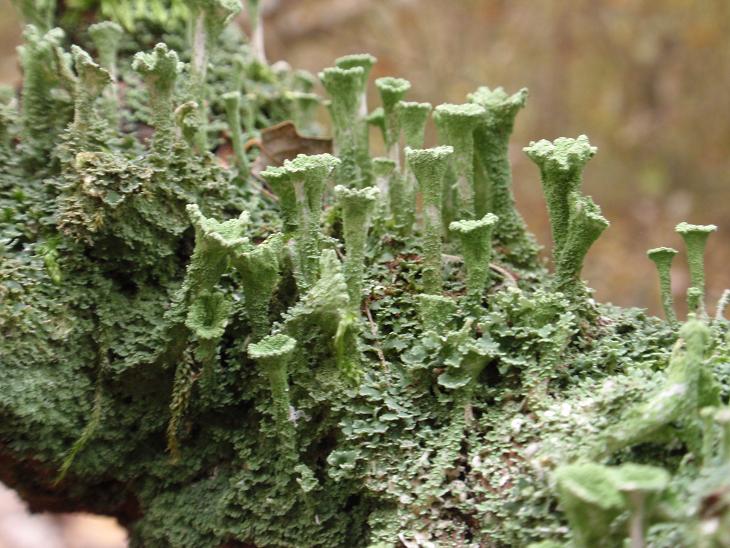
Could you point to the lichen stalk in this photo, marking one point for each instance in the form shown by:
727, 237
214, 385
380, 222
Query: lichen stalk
256, 20
695, 240
561, 164
362, 133
107, 36
475, 238
585, 225
392, 90
278, 178
429, 167
259, 272
40, 77
493, 172
232, 101
159, 70
273, 355
209, 19
344, 88
412, 117
308, 176
357, 206
662, 257
91, 81
456, 125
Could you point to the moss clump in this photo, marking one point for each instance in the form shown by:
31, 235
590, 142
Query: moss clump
218, 358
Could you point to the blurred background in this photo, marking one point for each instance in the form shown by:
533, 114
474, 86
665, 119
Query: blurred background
646, 80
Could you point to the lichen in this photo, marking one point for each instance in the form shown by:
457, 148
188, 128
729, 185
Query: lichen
223, 356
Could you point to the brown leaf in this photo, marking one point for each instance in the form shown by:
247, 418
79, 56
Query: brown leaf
283, 142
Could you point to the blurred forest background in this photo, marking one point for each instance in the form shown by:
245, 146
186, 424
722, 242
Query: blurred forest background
646, 80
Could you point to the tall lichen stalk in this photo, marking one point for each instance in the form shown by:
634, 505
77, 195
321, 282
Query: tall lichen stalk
300, 354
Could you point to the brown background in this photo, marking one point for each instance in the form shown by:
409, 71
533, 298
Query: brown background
646, 80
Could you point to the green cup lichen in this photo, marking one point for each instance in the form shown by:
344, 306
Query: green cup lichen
232, 102
107, 37
365, 61
273, 354
392, 90
475, 238
456, 125
429, 166
695, 240
308, 176
585, 225
258, 269
662, 257
159, 69
209, 19
493, 173
561, 164
344, 86
91, 81
357, 206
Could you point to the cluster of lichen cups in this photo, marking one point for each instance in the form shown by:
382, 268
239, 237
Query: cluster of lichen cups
457, 194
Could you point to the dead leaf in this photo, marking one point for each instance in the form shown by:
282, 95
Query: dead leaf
283, 142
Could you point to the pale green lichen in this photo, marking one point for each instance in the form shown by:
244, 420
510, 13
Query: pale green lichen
365, 61
256, 20
91, 81
344, 87
431, 418
475, 238
160, 69
392, 90
412, 118
273, 354
662, 257
232, 101
40, 13
209, 19
259, 271
493, 173
357, 207
429, 167
585, 225
435, 311
308, 176
107, 37
695, 240
561, 164
456, 125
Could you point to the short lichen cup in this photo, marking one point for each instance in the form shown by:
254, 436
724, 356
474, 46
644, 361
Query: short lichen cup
475, 237
435, 311
429, 167
662, 257
259, 271
215, 241
232, 103
273, 354
695, 239
585, 225
308, 175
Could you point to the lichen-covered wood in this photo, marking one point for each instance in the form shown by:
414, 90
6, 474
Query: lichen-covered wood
334, 350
